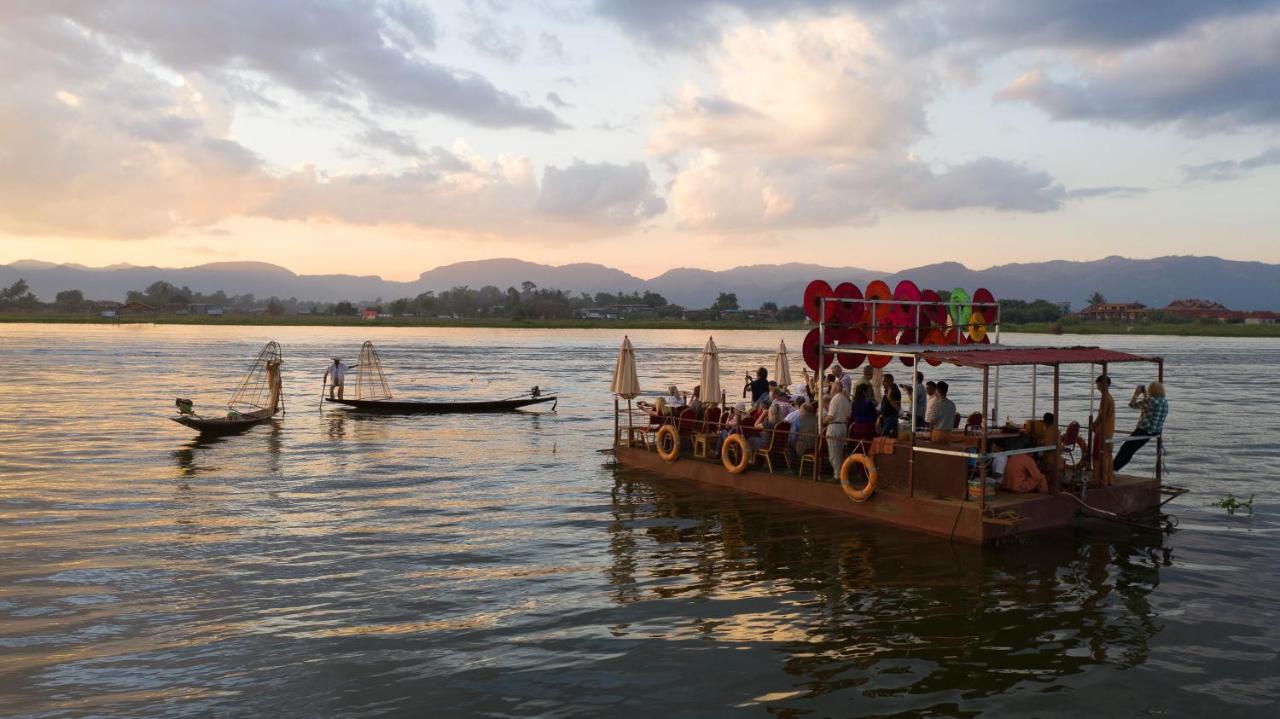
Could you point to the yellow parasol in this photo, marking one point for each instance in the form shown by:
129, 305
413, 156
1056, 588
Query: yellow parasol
781, 366
710, 377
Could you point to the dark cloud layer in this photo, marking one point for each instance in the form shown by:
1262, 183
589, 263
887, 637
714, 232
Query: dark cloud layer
334, 51
1232, 169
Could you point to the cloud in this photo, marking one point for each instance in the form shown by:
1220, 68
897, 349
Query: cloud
491, 38
1002, 24
1218, 76
555, 99
810, 124
728, 193
92, 145
345, 52
455, 190
1084, 193
602, 194
1232, 169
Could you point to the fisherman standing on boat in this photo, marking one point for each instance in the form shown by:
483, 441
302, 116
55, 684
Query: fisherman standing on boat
336, 376
1104, 426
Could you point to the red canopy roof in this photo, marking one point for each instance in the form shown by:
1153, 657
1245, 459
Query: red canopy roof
975, 357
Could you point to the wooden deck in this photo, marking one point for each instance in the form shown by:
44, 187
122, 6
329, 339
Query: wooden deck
1006, 514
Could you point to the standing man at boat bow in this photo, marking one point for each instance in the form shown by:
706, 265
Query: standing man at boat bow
837, 425
335, 375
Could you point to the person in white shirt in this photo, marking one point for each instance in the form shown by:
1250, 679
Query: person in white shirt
674, 398
336, 376
837, 422
920, 401
931, 392
844, 379
793, 421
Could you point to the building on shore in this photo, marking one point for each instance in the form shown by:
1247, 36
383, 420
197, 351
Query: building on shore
1201, 310
1115, 311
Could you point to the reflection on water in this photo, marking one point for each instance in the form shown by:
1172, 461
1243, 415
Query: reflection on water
338, 564
890, 614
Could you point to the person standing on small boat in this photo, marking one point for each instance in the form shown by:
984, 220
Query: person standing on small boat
336, 376
1155, 408
274, 384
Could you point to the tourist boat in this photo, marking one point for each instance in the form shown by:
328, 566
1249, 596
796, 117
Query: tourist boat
256, 399
372, 394
931, 482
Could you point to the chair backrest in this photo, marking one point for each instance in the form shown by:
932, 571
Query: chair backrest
711, 420
686, 419
956, 423
1073, 433
781, 429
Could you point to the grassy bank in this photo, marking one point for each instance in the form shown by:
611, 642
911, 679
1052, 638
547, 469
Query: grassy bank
332, 321
1195, 329
1083, 328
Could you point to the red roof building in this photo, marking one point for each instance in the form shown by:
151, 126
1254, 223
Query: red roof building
1201, 310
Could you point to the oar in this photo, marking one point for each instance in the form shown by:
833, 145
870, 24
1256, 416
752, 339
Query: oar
324, 384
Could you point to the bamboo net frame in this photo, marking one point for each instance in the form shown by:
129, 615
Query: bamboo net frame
255, 391
371, 381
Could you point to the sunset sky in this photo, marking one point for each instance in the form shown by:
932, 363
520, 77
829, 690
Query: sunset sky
392, 137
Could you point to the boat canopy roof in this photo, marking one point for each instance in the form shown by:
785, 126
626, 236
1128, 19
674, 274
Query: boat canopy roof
997, 355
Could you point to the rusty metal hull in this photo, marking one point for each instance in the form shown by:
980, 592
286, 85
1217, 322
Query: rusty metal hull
1006, 515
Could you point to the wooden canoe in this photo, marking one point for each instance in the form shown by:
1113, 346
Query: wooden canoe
422, 407
223, 425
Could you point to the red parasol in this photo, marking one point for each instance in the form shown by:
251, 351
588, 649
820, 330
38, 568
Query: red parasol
814, 291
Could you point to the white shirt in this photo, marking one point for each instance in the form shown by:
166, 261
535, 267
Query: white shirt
838, 410
930, 408
793, 419
338, 371
675, 400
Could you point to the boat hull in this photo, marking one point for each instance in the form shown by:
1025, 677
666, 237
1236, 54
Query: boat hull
1006, 515
220, 426
412, 407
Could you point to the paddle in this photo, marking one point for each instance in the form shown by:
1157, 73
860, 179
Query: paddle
324, 384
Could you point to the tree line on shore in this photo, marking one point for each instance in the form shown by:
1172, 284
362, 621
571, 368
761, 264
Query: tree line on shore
526, 302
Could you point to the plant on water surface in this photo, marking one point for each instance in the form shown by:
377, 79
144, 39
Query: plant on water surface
1231, 504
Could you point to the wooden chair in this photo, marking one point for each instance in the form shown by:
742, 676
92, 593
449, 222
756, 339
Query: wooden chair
774, 446
648, 434
704, 439
814, 457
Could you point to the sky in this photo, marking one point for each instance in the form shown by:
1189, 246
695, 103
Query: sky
388, 137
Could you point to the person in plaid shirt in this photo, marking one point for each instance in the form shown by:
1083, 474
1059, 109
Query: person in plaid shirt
1151, 401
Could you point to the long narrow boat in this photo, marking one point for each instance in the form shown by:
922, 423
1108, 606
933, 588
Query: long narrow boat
424, 407
372, 394
257, 399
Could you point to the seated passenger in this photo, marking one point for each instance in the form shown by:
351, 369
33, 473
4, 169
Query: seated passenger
695, 401
674, 398
766, 423
1021, 476
806, 429
944, 410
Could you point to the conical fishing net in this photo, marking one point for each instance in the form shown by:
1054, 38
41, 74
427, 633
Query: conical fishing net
370, 382
254, 392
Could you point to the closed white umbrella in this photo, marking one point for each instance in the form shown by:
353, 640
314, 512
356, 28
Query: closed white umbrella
625, 384
709, 379
781, 366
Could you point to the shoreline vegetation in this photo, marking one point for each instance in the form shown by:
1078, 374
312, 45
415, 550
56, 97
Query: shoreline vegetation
1184, 329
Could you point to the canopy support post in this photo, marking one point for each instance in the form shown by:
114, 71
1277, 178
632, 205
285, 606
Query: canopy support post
822, 431
911, 455
1056, 465
1034, 373
982, 453
1160, 437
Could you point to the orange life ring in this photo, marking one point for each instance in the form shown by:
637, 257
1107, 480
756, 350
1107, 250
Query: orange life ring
668, 455
744, 454
858, 495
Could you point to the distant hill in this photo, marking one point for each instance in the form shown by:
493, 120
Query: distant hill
1155, 282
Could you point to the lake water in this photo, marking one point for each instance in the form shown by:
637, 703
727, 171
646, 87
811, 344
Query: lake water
337, 565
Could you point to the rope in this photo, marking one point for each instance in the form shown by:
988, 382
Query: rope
1114, 517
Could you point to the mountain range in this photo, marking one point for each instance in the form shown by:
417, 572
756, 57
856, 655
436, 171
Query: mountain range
1155, 282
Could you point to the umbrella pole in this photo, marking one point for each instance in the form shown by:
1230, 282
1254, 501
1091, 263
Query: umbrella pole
630, 431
